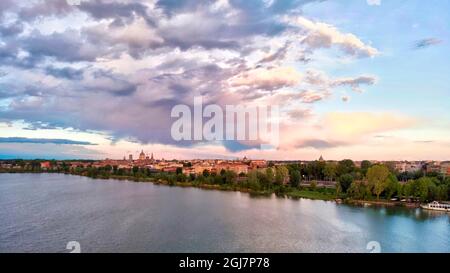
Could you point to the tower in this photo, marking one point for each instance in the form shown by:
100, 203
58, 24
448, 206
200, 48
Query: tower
142, 155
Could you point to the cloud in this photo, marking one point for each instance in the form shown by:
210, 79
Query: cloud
358, 124
355, 83
47, 151
68, 46
43, 141
119, 67
11, 30
424, 43
309, 96
299, 114
373, 2
320, 144
44, 8
278, 55
65, 72
322, 35
267, 79
121, 13
319, 78
345, 98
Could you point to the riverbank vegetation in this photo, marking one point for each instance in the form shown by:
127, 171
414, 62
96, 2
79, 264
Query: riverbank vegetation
314, 180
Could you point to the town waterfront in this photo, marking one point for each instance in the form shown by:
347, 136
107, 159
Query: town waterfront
43, 212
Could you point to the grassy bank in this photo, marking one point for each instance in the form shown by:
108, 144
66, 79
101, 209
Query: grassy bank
315, 195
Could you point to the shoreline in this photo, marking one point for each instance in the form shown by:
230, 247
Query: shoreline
293, 194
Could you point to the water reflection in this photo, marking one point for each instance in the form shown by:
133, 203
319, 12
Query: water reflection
42, 212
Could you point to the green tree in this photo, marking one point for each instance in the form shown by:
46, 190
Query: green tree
392, 187
408, 189
345, 166
377, 176
338, 190
281, 174
330, 171
422, 186
442, 192
313, 185
345, 182
365, 165
230, 177
270, 175
294, 178
252, 180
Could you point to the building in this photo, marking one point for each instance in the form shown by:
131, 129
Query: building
445, 168
46, 165
258, 164
433, 167
237, 168
408, 167
142, 156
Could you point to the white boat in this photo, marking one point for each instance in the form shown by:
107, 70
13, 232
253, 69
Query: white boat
436, 206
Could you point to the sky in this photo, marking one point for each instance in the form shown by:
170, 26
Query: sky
95, 79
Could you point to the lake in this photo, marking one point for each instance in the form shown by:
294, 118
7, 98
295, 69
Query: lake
43, 212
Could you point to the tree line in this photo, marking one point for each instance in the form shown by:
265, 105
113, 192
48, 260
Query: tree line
365, 182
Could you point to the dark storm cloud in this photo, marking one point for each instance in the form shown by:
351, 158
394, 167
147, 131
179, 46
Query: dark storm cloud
45, 8
173, 6
120, 12
11, 30
5, 5
67, 46
66, 72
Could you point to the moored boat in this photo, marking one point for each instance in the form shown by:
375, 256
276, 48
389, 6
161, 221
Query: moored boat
437, 206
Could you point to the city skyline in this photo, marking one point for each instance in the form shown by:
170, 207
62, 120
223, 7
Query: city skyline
98, 79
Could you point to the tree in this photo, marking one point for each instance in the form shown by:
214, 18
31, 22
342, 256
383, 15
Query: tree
230, 177
270, 175
263, 180
407, 189
345, 166
422, 186
365, 165
281, 174
377, 177
359, 190
392, 186
338, 190
206, 172
345, 181
442, 192
317, 169
294, 178
330, 171
252, 180
313, 185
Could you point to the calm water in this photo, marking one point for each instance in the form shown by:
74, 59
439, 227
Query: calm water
42, 212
